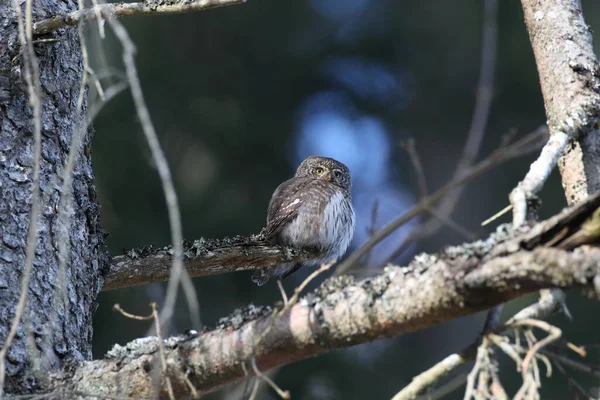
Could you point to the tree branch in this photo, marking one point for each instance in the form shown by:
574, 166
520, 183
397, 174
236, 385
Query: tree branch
151, 7
341, 313
201, 258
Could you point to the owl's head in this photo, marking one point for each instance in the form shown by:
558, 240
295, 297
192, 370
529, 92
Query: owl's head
326, 168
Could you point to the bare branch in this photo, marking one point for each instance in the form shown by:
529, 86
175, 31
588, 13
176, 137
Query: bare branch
479, 119
125, 9
201, 258
178, 274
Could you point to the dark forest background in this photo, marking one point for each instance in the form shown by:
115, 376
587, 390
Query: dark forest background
240, 95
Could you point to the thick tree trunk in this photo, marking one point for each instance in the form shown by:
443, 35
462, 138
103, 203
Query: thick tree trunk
68, 336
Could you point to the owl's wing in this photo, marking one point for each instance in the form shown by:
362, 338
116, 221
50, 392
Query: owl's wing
285, 203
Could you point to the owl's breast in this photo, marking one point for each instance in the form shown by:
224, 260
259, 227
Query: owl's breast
337, 227
326, 222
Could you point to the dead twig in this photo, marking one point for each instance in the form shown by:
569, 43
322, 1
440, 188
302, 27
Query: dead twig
496, 158
178, 273
284, 394
125, 9
542, 309
415, 161
573, 383
161, 348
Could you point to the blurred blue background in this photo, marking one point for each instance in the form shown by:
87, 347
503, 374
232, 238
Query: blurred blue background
240, 95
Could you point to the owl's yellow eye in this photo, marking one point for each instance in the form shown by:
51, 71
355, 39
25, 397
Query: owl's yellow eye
319, 170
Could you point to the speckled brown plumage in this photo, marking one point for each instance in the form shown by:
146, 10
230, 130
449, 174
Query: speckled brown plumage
311, 210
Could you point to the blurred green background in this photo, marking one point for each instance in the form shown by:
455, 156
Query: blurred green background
240, 95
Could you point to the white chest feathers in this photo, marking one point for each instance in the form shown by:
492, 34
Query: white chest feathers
330, 230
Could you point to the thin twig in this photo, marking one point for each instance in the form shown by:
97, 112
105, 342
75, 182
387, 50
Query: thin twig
447, 388
372, 228
159, 337
483, 100
254, 389
282, 291
579, 366
572, 382
178, 271
531, 377
540, 310
65, 204
415, 160
123, 9
497, 215
99, 19
284, 394
502, 343
538, 174
109, 94
450, 223
472, 377
480, 116
117, 308
161, 349
429, 377
494, 159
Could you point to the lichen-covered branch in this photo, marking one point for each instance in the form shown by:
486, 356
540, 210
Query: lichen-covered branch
122, 9
341, 312
201, 257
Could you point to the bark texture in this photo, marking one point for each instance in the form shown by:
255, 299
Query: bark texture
570, 81
68, 337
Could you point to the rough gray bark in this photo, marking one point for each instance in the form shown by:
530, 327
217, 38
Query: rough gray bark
570, 81
71, 333
341, 312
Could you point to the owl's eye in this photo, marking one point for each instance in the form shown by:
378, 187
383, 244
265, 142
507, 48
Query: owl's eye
338, 174
318, 170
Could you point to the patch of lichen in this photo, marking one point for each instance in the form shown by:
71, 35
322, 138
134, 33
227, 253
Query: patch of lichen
203, 246
146, 345
481, 248
200, 247
141, 252
243, 315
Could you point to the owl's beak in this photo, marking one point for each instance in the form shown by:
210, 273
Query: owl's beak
328, 177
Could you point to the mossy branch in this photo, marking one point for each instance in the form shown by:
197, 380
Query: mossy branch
202, 257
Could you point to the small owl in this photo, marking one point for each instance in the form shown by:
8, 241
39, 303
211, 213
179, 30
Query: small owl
313, 210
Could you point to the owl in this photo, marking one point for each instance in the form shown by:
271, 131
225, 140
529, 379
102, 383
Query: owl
313, 210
